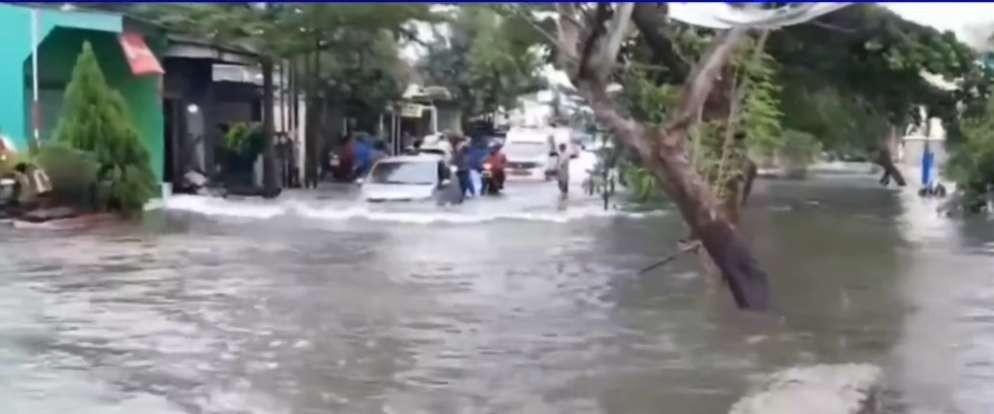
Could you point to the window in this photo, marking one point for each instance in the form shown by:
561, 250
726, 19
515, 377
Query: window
526, 150
409, 173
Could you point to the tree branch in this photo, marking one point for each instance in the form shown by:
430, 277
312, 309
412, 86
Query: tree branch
617, 29
625, 129
596, 31
832, 27
568, 37
701, 80
538, 28
688, 247
410, 35
649, 19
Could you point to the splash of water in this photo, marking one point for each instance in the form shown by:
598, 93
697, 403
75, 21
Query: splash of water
338, 212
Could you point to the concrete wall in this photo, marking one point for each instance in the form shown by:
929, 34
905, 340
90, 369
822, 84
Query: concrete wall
912, 149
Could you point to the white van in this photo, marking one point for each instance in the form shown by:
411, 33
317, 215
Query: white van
529, 150
437, 144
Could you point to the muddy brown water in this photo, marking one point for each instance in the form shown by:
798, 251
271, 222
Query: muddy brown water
500, 306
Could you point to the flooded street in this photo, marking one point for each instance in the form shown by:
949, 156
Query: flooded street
318, 304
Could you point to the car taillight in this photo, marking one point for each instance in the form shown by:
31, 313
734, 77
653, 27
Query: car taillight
486, 166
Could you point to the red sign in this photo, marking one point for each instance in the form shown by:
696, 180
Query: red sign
139, 56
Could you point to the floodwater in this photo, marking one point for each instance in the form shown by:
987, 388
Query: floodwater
318, 304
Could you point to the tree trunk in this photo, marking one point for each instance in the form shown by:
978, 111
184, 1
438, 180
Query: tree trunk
311, 124
589, 58
708, 220
270, 185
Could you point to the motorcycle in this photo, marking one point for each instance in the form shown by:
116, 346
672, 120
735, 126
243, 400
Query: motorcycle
492, 180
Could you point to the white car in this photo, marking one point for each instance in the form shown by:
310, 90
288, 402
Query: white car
406, 178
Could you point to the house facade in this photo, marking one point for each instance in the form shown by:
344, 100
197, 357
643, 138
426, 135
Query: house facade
44, 43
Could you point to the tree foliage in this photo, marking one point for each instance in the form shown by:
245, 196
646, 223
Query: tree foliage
845, 77
95, 119
245, 140
650, 94
487, 60
357, 44
851, 74
971, 165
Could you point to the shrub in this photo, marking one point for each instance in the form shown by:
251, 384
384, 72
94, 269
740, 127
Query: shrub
73, 174
7, 162
244, 140
971, 164
95, 119
643, 185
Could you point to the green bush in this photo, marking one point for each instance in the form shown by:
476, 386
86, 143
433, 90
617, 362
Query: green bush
73, 174
95, 120
971, 164
643, 185
244, 140
7, 163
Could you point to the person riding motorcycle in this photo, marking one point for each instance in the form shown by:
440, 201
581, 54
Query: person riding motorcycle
495, 165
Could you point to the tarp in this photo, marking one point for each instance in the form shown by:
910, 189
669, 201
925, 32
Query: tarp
928, 160
140, 58
725, 16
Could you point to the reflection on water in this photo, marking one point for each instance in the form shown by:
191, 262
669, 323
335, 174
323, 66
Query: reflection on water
532, 313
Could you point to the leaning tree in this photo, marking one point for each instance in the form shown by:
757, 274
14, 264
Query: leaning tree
588, 41
723, 75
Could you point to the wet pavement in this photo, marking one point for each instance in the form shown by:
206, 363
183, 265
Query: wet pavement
318, 303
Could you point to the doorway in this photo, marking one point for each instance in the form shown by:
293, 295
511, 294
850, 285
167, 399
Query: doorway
174, 119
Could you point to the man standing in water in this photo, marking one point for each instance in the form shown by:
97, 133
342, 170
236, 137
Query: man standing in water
562, 171
460, 160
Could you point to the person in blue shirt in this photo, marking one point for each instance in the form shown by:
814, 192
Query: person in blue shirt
461, 160
363, 154
476, 155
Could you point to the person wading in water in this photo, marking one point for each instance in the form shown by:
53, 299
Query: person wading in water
562, 171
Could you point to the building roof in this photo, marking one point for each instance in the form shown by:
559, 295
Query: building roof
184, 46
52, 16
180, 45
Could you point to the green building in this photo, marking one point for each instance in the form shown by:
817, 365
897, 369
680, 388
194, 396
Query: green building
60, 35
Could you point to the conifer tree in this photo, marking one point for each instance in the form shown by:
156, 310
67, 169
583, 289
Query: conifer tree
95, 119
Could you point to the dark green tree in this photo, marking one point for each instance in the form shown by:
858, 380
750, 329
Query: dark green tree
856, 78
95, 119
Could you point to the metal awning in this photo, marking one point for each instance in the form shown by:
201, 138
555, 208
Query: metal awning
140, 58
184, 47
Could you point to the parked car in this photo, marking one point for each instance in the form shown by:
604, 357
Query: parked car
406, 178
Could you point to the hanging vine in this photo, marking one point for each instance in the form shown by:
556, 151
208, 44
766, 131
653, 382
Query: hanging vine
720, 147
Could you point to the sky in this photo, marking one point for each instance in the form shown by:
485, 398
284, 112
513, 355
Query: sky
958, 17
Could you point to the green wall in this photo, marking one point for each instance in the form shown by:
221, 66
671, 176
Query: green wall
64, 34
15, 25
